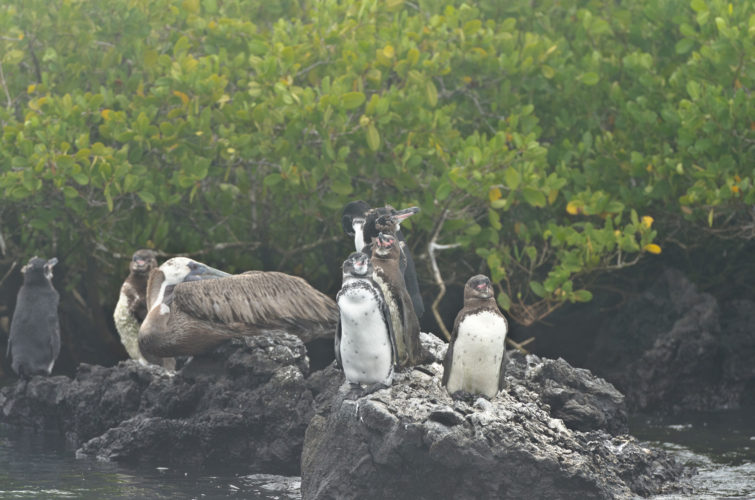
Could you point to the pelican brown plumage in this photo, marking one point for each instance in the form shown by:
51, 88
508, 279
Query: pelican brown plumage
194, 307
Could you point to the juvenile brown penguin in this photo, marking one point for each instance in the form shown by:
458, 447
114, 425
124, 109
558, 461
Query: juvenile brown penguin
385, 260
194, 307
364, 223
476, 357
34, 341
131, 308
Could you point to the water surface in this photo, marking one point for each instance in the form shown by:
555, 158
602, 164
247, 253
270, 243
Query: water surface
38, 465
719, 444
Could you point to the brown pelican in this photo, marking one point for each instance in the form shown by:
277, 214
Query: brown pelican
194, 307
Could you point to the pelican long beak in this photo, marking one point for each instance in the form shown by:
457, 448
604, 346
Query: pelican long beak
405, 213
203, 272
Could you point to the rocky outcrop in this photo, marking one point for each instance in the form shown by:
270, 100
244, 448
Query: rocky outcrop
246, 405
674, 348
413, 441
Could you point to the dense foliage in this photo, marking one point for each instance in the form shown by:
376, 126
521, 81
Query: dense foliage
551, 142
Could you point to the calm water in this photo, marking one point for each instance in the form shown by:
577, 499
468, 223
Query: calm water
721, 445
39, 466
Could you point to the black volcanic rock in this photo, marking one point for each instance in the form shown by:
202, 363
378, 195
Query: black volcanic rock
413, 441
245, 404
673, 348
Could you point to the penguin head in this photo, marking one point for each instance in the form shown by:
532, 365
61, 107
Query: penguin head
385, 246
478, 287
38, 270
143, 261
357, 265
386, 220
352, 219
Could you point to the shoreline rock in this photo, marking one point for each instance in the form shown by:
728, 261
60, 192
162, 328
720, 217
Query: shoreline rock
244, 405
412, 440
253, 406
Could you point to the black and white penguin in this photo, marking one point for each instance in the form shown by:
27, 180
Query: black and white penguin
364, 223
34, 341
364, 341
387, 275
131, 308
476, 357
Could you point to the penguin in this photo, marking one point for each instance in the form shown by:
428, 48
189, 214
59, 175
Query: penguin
476, 358
364, 223
34, 341
364, 342
385, 260
131, 308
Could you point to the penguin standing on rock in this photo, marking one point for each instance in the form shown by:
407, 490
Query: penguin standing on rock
364, 341
387, 275
476, 357
34, 341
131, 308
364, 224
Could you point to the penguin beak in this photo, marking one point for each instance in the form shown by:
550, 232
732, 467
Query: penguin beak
202, 272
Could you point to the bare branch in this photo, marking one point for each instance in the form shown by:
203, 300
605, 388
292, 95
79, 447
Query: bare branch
10, 270
431, 248
9, 101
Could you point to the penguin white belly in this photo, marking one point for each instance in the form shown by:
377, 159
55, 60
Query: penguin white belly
477, 354
366, 353
128, 329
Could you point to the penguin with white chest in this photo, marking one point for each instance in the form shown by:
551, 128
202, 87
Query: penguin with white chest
476, 357
131, 308
387, 275
34, 341
364, 341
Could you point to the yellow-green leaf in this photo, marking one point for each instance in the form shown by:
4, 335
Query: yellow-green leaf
351, 100
590, 78
432, 93
373, 137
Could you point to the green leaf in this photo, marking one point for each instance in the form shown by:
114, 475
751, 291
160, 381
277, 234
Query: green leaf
582, 296
699, 5
443, 191
373, 137
504, 301
537, 289
590, 78
351, 100
533, 196
271, 180
512, 178
432, 93
81, 178
684, 45
693, 89
147, 197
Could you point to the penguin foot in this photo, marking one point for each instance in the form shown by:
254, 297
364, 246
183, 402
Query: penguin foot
466, 397
354, 392
374, 388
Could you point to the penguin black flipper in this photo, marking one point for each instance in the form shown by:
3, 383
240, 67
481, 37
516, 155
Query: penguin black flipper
448, 363
410, 279
386, 311
449, 359
502, 373
337, 344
